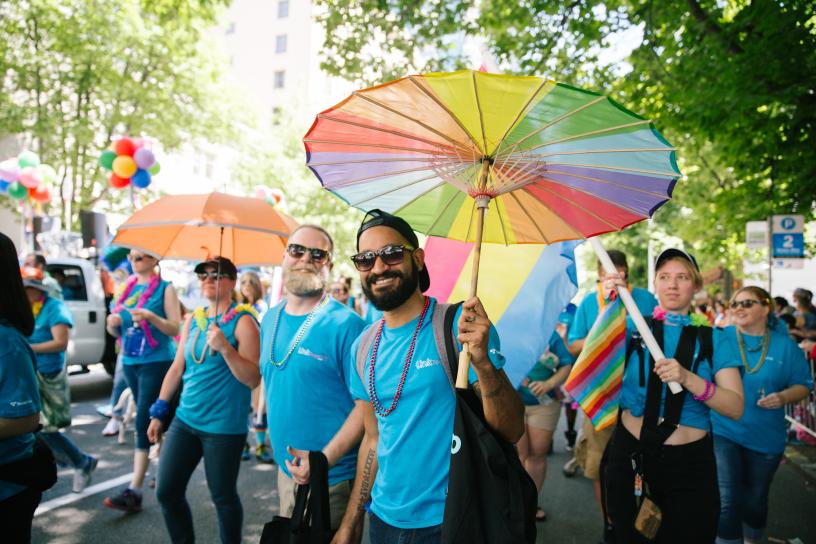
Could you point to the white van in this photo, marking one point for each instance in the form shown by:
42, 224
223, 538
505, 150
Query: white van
83, 294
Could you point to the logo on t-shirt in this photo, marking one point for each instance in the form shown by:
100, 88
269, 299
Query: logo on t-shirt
309, 353
426, 363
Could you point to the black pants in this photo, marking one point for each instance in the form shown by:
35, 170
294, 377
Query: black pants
16, 513
682, 481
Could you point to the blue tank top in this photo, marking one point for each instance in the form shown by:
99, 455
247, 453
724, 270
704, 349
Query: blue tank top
165, 350
212, 400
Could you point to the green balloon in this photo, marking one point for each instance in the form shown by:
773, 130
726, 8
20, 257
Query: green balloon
17, 191
48, 173
106, 159
28, 158
154, 169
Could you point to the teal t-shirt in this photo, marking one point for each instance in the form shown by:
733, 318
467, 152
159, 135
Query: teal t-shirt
54, 312
694, 413
587, 312
554, 358
212, 399
761, 429
19, 397
165, 350
307, 398
414, 447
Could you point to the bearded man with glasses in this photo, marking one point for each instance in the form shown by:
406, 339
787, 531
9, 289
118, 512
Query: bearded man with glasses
305, 345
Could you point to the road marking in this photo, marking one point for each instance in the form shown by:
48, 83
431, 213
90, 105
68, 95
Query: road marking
87, 492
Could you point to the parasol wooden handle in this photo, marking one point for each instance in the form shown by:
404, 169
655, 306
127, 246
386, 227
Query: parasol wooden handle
633, 310
464, 355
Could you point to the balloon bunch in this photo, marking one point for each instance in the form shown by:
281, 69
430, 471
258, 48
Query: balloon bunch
273, 196
25, 176
130, 162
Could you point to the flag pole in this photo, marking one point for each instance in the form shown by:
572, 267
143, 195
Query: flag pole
632, 309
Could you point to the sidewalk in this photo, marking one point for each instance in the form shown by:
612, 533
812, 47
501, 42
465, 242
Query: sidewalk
803, 458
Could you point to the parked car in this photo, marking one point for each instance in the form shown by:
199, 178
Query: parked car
82, 291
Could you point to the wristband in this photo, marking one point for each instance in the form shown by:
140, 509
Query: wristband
710, 389
159, 409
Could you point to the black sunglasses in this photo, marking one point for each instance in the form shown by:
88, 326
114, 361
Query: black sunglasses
139, 258
296, 251
747, 303
390, 255
213, 275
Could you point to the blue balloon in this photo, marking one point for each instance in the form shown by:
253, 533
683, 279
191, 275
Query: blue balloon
141, 179
4, 185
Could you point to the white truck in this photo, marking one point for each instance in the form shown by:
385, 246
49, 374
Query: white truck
83, 294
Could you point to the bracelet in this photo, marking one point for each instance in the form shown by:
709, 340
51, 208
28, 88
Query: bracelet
159, 409
710, 389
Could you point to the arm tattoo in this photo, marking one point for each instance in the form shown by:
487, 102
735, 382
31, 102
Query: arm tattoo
486, 394
365, 484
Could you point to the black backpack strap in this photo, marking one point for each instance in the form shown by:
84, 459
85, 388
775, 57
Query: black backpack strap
654, 434
635, 345
364, 349
443, 338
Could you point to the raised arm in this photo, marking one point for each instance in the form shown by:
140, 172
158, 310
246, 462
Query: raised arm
242, 362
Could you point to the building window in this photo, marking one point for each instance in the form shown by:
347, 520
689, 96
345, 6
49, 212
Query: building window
276, 115
280, 43
283, 9
280, 79
231, 28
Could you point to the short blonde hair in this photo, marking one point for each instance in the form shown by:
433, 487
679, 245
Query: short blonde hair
692, 270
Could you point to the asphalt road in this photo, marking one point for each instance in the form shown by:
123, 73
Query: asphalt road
65, 517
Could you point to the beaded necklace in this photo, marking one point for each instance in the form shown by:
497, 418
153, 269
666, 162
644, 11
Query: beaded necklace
300, 334
372, 391
766, 342
200, 318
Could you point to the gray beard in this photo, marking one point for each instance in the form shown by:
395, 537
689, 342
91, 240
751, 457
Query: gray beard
304, 284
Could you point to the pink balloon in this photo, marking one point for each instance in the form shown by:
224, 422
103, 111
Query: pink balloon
9, 171
30, 177
144, 158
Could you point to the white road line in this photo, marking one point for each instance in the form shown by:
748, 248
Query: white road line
87, 492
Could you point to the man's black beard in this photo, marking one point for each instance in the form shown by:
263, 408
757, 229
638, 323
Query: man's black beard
396, 296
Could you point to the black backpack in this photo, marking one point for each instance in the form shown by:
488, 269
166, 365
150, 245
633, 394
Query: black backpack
491, 498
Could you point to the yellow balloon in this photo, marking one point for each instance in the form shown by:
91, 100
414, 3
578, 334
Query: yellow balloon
124, 166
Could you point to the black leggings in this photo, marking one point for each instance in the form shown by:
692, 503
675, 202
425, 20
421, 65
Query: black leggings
16, 514
682, 481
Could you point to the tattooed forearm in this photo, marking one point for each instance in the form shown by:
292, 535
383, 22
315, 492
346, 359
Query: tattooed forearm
365, 480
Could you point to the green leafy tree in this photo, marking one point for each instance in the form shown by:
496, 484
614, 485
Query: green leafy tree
76, 73
731, 83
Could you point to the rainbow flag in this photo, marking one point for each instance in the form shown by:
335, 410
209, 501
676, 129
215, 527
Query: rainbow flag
595, 378
523, 288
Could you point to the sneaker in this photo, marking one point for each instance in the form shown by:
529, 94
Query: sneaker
104, 410
82, 475
127, 501
112, 428
245, 454
571, 468
263, 455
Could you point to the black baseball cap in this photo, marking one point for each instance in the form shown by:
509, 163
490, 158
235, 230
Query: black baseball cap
674, 252
220, 263
379, 218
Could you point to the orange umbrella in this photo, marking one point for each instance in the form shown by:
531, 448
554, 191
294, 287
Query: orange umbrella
248, 231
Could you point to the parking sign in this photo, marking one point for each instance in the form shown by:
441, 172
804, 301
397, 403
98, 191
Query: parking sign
788, 236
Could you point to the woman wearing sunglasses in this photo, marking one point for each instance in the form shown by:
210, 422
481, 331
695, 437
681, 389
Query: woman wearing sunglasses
775, 373
146, 316
658, 475
217, 359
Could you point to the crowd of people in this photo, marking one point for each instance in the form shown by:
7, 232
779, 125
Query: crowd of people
361, 379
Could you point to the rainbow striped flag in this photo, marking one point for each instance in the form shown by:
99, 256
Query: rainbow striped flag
596, 377
523, 288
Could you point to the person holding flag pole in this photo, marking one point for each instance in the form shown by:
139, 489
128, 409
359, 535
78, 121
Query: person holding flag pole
658, 475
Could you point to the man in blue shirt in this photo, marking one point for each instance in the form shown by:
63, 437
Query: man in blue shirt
406, 396
591, 445
305, 344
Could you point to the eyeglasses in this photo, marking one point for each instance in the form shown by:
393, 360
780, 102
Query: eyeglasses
338, 290
139, 258
296, 251
213, 275
747, 303
390, 255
